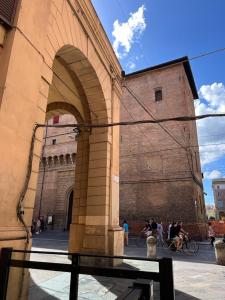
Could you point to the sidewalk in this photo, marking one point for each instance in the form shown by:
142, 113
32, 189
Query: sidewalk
196, 277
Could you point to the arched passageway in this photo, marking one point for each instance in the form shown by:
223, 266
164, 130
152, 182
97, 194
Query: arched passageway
66, 65
76, 89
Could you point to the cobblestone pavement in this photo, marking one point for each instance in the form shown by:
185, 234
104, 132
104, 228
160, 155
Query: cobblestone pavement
196, 276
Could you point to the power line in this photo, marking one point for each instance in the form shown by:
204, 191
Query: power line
172, 179
207, 53
129, 123
151, 115
175, 148
188, 152
132, 117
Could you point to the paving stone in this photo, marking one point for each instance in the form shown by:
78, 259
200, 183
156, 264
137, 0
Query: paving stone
196, 277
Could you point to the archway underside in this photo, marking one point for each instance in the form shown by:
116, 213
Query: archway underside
76, 89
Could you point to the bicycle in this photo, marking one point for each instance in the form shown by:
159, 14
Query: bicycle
141, 239
189, 246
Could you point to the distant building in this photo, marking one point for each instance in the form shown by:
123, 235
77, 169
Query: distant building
210, 211
56, 176
218, 186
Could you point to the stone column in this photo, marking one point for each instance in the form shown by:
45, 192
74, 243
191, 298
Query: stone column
77, 228
97, 212
116, 238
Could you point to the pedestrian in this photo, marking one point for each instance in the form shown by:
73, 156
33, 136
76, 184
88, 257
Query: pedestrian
153, 226
168, 230
211, 234
125, 229
160, 232
174, 235
38, 225
42, 226
146, 228
33, 226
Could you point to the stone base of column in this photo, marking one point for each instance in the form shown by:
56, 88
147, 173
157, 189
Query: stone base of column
116, 241
97, 240
116, 244
76, 237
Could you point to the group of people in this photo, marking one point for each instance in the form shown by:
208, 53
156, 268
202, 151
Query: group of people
150, 228
175, 232
39, 224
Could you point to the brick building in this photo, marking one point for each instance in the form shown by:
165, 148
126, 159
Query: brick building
218, 186
160, 172
56, 178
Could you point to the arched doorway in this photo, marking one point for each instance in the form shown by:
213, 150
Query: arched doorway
76, 89
67, 65
69, 210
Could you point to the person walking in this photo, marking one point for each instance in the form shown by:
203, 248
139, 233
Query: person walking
125, 229
211, 234
153, 225
168, 230
38, 225
160, 232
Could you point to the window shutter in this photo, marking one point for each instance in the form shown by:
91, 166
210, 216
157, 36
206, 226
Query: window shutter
8, 11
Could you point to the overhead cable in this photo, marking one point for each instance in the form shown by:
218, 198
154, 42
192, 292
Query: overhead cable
129, 123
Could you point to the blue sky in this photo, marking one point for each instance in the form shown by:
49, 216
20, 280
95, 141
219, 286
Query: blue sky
149, 32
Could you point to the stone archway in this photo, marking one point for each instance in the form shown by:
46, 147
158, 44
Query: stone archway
67, 42
75, 83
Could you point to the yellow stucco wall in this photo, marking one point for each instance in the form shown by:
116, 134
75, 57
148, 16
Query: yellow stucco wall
58, 56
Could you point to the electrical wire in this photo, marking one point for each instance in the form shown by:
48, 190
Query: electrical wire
175, 148
129, 123
84, 125
188, 152
172, 179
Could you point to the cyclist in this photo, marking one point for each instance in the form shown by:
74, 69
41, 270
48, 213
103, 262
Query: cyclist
175, 235
147, 228
181, 235
153, 226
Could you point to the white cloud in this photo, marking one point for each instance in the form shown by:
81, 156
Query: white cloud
213, 174
131, 65
126, 33
211, 130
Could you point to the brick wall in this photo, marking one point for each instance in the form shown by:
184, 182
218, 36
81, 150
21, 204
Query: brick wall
155, 171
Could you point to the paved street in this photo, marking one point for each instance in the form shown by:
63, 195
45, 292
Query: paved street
196, 276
